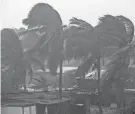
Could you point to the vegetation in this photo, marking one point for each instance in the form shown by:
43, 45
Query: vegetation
14, 60
79, 40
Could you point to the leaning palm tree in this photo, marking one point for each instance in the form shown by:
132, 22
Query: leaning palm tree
117, 68
111, 30
18, 61
12, 54
42, 14
81, 40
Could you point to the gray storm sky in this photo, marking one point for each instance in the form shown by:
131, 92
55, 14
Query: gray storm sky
13, 11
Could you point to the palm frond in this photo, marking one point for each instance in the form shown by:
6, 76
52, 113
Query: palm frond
106, 17
108, 79
108, 40
25, 22
42, 82
9, 37
112, 26
38, 80
31, 59
80, 23
36, 61
116, 65
43, 41
55, 52
129, 27
118, 58
121, 52
84, 68
8, 53
75, 21
43, 14
34, 29
112, 75
54, 61
72, 30
77, 47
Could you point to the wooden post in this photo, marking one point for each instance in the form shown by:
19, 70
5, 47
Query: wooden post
99, 92
30, 110
22, 110
87, 106
40, 109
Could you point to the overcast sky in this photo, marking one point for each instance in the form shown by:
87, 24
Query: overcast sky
13, 11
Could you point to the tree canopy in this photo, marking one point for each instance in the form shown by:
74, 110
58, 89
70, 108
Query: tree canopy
78, 40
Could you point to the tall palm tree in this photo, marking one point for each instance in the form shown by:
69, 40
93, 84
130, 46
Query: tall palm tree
18, 61
42, 14
120, 60
111, 30
12, 54
118, 66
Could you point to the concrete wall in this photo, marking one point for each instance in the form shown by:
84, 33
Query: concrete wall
16, 110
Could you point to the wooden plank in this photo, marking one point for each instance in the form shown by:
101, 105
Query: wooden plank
47, 101
15, 103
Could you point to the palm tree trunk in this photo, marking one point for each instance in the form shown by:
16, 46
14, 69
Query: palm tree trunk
122, 96
99, 92
103, 59
60, 79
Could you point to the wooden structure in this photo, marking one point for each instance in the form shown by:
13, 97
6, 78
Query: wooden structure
17, 103
41, 100
49, 101
82, 99
130, 100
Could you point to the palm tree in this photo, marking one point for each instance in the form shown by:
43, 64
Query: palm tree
42, 14
12, 53
120, 60
85, 39
111, 30
18, 61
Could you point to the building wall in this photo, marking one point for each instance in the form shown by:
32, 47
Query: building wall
16, 110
